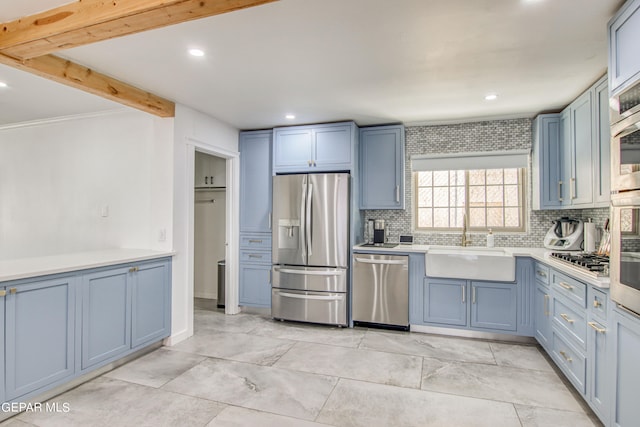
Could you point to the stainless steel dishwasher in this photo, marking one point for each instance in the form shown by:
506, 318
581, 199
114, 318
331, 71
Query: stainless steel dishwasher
381, 290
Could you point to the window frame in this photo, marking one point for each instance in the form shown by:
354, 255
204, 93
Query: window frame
522, 196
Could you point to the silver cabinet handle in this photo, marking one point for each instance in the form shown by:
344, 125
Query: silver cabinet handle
473, 295
564, 355
270, 221
560, 191
255, 240
255, 256
541, 273
572, 190
566, 286
597, 327
464, 296
397, 194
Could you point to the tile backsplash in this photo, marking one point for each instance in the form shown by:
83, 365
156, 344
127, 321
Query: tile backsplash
496, 135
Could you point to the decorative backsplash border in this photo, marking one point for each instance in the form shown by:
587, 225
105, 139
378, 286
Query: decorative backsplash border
495, 135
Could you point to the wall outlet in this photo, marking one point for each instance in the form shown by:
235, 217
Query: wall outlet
162, 235
104, 211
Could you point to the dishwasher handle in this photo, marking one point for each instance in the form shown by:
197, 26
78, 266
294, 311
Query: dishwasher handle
381, 261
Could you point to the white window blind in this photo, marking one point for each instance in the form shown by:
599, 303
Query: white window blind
470, 161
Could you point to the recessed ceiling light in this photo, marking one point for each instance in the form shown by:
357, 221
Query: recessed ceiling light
196, 52
491, 97
290, 117
3, 84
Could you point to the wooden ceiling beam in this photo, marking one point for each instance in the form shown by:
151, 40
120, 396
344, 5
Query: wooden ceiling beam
90, 21
71, 74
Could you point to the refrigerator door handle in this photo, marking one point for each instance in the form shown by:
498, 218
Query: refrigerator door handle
303, 202
308, 219
310, 272
315, 297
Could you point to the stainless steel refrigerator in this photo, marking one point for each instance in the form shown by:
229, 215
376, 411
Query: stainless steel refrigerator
310, 242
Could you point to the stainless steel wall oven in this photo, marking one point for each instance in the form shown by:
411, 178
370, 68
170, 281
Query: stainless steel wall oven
625, 143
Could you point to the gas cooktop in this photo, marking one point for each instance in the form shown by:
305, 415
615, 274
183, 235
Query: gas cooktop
595, 265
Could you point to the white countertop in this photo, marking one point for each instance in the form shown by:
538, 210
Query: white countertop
539, 254
40, 266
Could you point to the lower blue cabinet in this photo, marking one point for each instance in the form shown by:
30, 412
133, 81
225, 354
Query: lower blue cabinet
151, 303
106, 315
542, 309
598, 380
626, 374
445, 301
255, 285
40, 334
493, 305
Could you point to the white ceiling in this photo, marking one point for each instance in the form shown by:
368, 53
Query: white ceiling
373, 61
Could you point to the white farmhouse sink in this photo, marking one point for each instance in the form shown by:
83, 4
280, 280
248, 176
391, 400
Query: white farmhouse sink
470, 263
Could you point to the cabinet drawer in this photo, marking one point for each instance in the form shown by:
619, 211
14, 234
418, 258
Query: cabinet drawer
598, 302
255, 257
255, 241
570, 360
570, 320
571, 288
542, 273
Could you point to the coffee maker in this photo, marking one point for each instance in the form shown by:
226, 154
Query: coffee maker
378, 232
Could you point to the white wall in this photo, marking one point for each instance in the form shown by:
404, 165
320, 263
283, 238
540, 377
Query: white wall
196, 130
57, 176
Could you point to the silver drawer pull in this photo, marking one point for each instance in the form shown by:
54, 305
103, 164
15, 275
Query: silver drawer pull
255, 256
314, 297
595, 326
255, 240
566, 286
567, 358
567, 318
541, 273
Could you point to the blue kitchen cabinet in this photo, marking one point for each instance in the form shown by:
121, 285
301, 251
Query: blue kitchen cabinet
382, 167
255, 181
150, 303
624, 60
493, 306
598, 381
565, 158
625, 372
3, 294
581, 147
445, 301
255, 290
547, 162
106, 314
315, 148
543, 315
40, 334
602, 144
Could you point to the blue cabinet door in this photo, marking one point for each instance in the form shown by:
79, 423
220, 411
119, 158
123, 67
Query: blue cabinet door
547, 162
626, 375
581, 183
255, 289
106, 314
445, 301
624, 33
602, 145
493, 305
598, 380
332, 147
255, 181
566, 157
40, 334
542, 307
151, 303
293, 149
382, 167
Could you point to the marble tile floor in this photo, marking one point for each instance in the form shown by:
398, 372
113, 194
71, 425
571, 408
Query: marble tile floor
248, 370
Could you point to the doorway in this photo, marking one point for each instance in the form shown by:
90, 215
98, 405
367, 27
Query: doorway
209, 232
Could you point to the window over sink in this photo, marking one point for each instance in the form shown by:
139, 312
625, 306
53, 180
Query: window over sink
489, 198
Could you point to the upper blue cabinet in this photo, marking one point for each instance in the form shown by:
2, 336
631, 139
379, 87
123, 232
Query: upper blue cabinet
382, 167
624, 49
255, 181
315, 148
547, 162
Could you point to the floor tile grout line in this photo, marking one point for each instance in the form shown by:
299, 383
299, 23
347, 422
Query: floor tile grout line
518, 414
315, 419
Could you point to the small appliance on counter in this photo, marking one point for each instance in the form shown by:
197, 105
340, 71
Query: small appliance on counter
378, 232
565, 234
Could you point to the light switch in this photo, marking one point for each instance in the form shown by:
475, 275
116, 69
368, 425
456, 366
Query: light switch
162, 235
104, 211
